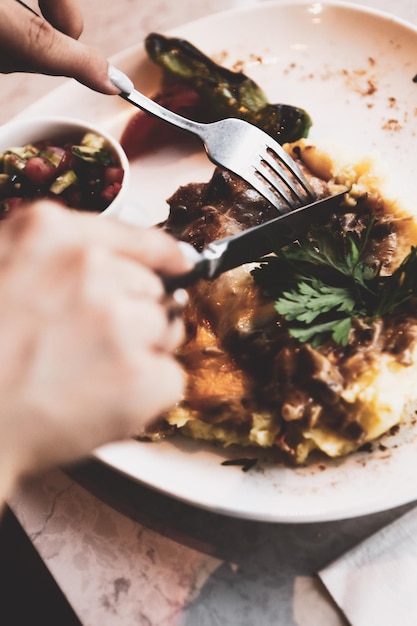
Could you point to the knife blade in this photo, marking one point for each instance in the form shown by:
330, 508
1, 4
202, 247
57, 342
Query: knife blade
252, 244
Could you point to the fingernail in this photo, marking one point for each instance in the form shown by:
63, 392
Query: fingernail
176, 304
120, 80
180, 297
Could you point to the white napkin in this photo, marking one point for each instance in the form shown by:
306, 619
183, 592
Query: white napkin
376, 582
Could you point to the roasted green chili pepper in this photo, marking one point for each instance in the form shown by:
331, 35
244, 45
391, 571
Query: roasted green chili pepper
226, 93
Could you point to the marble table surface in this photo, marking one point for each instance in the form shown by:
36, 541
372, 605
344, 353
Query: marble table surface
126, 555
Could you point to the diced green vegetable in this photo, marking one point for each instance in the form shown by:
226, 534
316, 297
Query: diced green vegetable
93, 149
92, 155
23, 152
53, 157
92, 140
12, 163
63, 181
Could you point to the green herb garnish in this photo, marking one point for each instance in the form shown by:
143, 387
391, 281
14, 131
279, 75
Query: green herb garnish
324, 282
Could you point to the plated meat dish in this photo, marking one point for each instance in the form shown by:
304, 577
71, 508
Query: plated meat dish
251, 380
313, 348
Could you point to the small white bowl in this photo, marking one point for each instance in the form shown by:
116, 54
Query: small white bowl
22, 131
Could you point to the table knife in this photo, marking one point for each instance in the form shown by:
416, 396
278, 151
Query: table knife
252, 244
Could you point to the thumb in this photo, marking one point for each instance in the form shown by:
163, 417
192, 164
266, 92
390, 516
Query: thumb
29, 43
64, 56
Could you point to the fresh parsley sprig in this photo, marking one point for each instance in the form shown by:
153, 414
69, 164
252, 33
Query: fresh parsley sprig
322, 283
314, 300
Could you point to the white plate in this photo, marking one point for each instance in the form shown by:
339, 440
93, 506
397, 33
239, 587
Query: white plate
354, 71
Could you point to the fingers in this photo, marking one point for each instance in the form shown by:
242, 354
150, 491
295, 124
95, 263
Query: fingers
76, 60
87, 332
30, 43
141, 313
103, 261
158, 387
158, 250
99, 268
64, 15
144, 323
121, 273
99, 262
157, 317
150, 246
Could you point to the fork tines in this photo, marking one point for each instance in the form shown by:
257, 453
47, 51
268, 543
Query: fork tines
286, 180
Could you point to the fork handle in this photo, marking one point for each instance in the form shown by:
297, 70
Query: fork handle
155, 109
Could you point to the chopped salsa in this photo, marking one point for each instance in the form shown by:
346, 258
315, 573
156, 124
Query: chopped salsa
82, 173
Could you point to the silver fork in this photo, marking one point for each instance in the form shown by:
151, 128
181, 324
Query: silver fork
245, 150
